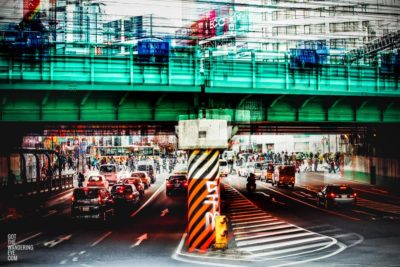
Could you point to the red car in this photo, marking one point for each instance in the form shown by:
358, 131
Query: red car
176, 183
136, 181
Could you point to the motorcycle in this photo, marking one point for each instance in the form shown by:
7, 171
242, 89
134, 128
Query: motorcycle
251, 184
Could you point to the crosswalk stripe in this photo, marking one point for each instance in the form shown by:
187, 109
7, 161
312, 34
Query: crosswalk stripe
267, 219
247, 215
260, 225
251, 218
271, 239
270, 233
282, 244
262, 230
298, 248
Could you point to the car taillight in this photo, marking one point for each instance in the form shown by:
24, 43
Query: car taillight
130, 196
332, 195
100, 200
72, 199
354, 194
185, 184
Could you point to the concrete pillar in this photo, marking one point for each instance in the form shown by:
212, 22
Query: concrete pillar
203, 139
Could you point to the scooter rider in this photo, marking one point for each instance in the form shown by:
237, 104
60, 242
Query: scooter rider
251, 183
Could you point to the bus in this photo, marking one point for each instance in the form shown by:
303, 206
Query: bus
122, 152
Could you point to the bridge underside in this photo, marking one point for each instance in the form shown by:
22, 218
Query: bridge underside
158, 107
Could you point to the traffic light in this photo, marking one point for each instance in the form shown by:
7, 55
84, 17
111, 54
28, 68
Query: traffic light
221, 232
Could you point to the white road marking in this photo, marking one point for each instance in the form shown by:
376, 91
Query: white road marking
267, 219
251, 218
28, 238
51, 212
269, 233
72, 254
271, 239
251, 215
139, 240
75, 259
260, 225
278, 202
366, 213
150, 199
321, 246
100, 239
82, 252
178, 255
86, 265
55, 242
276, 227
165, 211
265, 194
63, 262
282, 244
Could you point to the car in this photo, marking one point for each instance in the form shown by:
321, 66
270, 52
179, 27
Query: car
149, 168
144, 177
91, 203
136, 181
336, 195
257, 170
97, 181
125, 195
176, 183
110, 172
223, 168
246, 169
284, 175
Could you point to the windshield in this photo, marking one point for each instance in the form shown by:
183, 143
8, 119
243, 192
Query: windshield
138, 174
86, 193
145, 167
177, 177
258, 166
223, 163
107, 168
95, 179
121, 189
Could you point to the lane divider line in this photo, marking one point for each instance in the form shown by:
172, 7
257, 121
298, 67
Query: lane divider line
162, 186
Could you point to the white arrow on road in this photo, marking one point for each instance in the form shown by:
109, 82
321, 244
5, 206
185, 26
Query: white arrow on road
140, 239
55, 242
164, 212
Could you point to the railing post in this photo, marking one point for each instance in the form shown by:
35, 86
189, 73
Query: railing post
378, 66
286, 71
348, 72
253, 69
10, 69
196, 66
211, 72
170, 66
91, 49
51, 55
131, 65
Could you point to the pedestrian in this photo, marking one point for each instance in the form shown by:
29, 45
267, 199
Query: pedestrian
81, 179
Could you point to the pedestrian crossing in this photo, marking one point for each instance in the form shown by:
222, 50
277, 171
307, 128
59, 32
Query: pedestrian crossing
262, 236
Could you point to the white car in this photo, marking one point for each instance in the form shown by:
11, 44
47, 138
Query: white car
246, 169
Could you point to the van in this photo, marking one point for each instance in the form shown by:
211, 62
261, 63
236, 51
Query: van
149, 168
223, 168
110, 172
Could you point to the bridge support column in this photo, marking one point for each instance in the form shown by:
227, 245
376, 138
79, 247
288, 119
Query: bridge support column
202, 138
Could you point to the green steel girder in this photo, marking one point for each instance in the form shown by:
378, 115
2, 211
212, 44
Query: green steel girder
68, 106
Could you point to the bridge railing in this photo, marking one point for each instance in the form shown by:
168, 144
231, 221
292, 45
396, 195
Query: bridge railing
187, 68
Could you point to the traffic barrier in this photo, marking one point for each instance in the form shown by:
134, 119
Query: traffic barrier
203, 198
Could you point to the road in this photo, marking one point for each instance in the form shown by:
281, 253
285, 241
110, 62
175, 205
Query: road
272, 227
285, 227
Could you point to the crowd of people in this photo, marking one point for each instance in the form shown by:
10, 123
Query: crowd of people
304, 161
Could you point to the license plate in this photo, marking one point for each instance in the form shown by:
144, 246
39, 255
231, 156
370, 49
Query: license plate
344, 196
85, 209
177, 185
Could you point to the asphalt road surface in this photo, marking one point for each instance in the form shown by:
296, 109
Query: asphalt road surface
272, 227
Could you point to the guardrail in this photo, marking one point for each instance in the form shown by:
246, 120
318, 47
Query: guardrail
37, 187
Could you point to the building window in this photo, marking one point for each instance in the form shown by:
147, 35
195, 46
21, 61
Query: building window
274, 31
306, 29
274, 15
291, 30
